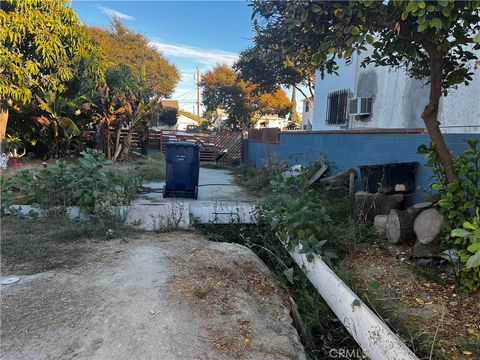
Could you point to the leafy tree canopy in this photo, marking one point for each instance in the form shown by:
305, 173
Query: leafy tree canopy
222, 88
43, 47
432, 40
267, 65
124, 46
39, 44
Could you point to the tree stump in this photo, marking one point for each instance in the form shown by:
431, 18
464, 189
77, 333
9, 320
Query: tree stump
368, 205
428, 226
379, 223
399, 226
431, 250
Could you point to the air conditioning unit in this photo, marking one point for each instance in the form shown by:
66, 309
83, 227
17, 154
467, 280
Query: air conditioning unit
361, 106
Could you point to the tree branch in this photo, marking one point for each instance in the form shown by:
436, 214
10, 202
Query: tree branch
305, 96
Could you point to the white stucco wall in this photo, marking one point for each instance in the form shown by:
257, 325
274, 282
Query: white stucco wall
398, 100
344, 80
307, 116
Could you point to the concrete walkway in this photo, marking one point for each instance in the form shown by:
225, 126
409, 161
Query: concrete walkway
219, 201
170, 296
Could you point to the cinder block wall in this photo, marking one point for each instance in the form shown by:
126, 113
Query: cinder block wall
345, 151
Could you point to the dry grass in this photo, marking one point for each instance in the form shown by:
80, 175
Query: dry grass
422, 310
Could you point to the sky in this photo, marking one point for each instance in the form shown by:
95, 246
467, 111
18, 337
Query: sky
189, 33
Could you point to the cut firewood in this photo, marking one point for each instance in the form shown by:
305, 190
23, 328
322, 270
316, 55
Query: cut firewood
431, 250
317, 175
368, 205
399, 226
428, 226
379, 223
340, 180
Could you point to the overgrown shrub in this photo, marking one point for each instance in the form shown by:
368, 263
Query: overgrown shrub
468, 255
87, 183
459, 201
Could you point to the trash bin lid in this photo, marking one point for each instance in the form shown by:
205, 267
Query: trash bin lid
181, 143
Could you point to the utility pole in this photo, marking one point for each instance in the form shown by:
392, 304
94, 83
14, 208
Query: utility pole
198, 90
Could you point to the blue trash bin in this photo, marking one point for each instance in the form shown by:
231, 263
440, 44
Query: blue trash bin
183, 168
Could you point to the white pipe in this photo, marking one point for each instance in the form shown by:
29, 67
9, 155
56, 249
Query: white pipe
374, 337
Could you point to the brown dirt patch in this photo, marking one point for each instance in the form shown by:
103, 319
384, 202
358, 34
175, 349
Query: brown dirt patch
226, 287
411, 301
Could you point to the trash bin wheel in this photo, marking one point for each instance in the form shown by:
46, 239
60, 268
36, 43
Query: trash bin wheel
164, 191
195, 194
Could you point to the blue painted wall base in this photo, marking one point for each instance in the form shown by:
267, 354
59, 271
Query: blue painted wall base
345, 151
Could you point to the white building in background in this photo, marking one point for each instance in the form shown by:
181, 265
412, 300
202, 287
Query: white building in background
307, 114
271, 121
183, 121
385, 98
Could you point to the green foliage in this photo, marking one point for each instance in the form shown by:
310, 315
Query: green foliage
150, 69
457, 199
437, 43
30, 59
296, 215
242, 100
468, 244
120, 78
269, 67
54, 114
14, 143
87, 183
401, 33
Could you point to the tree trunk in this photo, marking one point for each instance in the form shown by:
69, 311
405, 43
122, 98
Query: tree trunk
108, 143
126, 145
117, 141
3, 128
430, 114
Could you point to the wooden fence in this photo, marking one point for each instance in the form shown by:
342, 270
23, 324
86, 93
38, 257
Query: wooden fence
270, 135
224, 148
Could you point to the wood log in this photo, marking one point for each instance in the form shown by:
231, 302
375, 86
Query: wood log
399, 226
379, 223
431, 250
428, 226
340, 180
368, 205
351, 183
317, 175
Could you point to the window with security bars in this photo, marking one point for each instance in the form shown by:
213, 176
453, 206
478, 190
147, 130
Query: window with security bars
337, 107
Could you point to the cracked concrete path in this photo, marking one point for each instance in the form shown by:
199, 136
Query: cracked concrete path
220, 200
158, 296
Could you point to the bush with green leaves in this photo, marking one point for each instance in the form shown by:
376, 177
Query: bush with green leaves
467, 239
458, 200
87, 183
297, 217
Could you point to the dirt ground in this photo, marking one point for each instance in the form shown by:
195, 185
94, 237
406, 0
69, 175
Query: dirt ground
159, 296
439, 312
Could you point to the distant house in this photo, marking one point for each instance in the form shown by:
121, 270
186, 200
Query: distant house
307, 114
186, 119
271, 121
